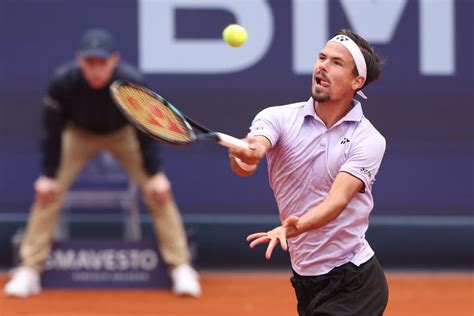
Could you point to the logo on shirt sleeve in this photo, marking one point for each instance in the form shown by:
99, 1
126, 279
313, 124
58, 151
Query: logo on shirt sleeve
257, 125
366, 172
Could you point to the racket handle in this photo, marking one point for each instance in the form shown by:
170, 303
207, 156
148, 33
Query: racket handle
232, 142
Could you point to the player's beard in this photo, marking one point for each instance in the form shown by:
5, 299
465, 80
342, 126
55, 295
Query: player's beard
320, 96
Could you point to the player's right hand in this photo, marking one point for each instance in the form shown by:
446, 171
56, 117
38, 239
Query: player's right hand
46, 189
258, 146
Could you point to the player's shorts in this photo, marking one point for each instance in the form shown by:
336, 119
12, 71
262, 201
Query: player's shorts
345, 290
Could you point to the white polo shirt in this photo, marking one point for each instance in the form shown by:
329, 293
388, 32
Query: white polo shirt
303, 162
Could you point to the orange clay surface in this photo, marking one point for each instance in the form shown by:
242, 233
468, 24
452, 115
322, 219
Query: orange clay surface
244, 294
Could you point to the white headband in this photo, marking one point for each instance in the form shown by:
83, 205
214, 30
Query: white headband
356, 55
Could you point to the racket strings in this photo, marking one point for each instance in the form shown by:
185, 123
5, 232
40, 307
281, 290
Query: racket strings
153, 115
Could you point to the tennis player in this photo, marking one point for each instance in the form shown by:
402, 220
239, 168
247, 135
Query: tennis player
323, 156
81, 119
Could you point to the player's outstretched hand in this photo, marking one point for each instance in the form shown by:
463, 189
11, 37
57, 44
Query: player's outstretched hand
277, 235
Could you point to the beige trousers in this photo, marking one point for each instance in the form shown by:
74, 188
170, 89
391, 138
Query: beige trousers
78, 147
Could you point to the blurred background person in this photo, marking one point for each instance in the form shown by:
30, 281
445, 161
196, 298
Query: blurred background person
80, 120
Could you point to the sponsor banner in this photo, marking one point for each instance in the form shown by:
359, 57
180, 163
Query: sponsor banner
104, 264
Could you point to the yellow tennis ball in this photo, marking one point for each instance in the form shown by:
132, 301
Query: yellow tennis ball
235, 35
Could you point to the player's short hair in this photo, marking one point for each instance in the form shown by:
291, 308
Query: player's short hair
374, 63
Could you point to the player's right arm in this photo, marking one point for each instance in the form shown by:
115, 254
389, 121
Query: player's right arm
244, 162
264, 134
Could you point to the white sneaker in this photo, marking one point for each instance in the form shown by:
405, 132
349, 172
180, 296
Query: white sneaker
185, 281
25, 281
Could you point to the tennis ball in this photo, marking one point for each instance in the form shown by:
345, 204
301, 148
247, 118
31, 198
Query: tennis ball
235, 35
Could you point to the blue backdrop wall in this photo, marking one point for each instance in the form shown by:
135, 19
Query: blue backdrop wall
423, 103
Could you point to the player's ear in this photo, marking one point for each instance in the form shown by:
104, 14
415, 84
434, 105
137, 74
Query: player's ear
358, 83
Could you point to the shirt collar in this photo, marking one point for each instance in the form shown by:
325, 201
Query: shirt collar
355, 114
308, 109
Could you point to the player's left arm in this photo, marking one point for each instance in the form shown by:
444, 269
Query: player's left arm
343, 190
355, 176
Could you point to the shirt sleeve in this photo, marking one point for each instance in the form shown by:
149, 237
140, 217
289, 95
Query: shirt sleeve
54, 121
365, 158
266, 124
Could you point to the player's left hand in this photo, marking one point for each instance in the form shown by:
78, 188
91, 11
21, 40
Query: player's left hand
158, 187
277, 235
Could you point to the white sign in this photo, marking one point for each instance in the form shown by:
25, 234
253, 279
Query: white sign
376, 20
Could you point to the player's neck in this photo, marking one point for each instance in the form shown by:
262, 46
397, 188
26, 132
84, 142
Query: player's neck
332, 111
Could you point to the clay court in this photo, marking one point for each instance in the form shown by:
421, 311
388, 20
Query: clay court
245, 294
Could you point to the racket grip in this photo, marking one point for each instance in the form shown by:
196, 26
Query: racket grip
232, 142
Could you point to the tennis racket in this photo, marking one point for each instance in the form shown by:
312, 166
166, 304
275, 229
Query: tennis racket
155, 116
